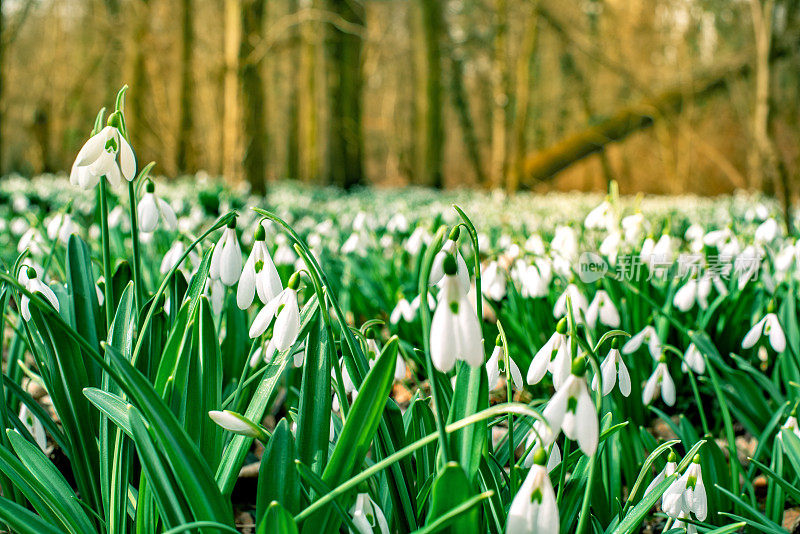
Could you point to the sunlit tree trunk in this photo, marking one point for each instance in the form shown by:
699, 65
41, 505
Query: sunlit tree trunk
185, 157
308, 126
231, 158
429, 138
252, 78
2, 78
499, 95
519, 126
345, 130
292, 101
136, 97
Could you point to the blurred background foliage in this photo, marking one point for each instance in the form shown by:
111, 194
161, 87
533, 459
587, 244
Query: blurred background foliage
664, 96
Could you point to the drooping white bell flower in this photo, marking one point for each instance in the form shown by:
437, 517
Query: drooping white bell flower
153, 209
633, 226
613, 366
693, 359
543, 360
603, 308
534, 509
226, 260
30, 278
533, 442
263, 353
174, 254
105, 154
416, 240
579, 303
791, 425
611, 245
493, 281
534, 279
669, 469
402, 311
565, 243
32, 241
659, 382
286, 313
455, 330
34, 426
215, 292
259, 274
60, 227
535, 245
416, 300
400, 368
571, 409
649, 335
372, 346
493, 367
767, 231
687, 494
450, 248
770, 327
693, 291
367, 516
601, 217
397, 224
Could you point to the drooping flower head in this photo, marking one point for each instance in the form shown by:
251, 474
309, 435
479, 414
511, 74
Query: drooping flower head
285, 312
534, 509
493, 367
106, 153
30, 278
153, 209
259, 274
226, 260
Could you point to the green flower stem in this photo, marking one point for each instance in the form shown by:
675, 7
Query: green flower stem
425, 314
138, 289
107, 274
509, 398
583, 521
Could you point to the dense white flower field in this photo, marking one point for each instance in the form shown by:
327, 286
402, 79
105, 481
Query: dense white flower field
409, 361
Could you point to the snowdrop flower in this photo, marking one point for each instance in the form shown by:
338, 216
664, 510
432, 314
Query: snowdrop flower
151, 209
534, 279
30, 278
262, 353
669, 469
535, 245
571, 409
215, 292
367, 517
494, 281
259, 274
790, 424
60, 227
286, 312
238, 424
534, 509
767, 231
659, 382
687, 494
34, 426
397, 224
400, 368
226, 260
601, 217
403, 311
693, 359
647, 334
579, 303
533, 442
455, 330
610, 246
612, 366
105, 154
493, 367
450, 248
632, 226
565, 243
543, 360
692, 291
33, 241
372, 346
767, 326
602, 307
416, 300
173, 255
416, 240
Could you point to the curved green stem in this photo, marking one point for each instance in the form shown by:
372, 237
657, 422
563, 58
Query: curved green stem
107, 274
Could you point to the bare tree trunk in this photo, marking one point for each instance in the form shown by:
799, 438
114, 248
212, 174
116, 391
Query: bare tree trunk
138, 75
345, 130
2, 79
461, 104
499, 95
231, 123
429, 128
293, 129
759, 157
185, 157
308, 126
519, 125
252, 78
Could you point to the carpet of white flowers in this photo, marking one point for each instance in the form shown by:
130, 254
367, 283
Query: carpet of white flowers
390, 361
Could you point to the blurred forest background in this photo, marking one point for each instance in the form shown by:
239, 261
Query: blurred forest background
664, 96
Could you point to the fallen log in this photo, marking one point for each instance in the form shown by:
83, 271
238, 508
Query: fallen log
546, 163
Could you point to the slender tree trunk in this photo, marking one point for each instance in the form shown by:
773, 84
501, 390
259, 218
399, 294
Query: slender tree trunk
252, 78
519, 126
2, 79
345, 134
461, 104
429, 135
499, 95
185, 157
293, 128
230, 116
308, 126
136, 97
